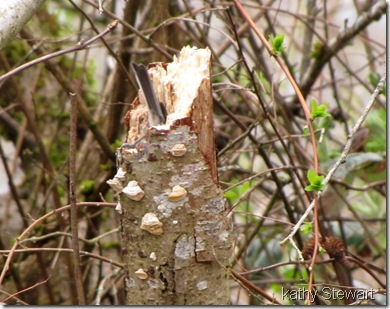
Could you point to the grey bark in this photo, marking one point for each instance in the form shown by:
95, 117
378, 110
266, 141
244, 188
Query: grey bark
14, 14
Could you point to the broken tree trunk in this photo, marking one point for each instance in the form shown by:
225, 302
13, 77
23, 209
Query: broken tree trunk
176, 234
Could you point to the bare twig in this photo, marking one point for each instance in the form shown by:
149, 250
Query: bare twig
100, 289
368, 270
339, 43
342, 158
40, 220
109, 48
253, 287
68, 250
12, 187
73, 199
18, 300
58, 233
288, 75
134, 30
83, 109
26, 289
79, 46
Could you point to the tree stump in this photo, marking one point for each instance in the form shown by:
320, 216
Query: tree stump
176, 233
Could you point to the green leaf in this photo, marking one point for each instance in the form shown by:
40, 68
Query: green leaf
315, 181
310, 188
312, 176
277, 44
374, 78
318, 111
86, 186
306, 227
320, 179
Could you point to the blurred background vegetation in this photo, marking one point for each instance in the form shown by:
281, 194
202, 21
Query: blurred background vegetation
260, 132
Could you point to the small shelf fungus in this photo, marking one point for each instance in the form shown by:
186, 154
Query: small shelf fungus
152, 224
116, 182
134, 191
120, 174
153, 256
178, 150
178, 193
118, 207
141, 274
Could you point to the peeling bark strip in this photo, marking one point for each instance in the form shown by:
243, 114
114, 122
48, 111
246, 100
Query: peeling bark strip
177, 237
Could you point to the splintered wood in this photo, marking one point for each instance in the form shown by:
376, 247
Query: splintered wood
184, 88
175, 166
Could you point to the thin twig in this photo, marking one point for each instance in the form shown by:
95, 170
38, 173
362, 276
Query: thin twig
18, 300
342, 158
253, 287
73, 200
40, 220
12, 187
100, 290
134, 30
288, 75
304, 107
26, 289
92, 241
339, 43
109, 48
83, 108
79, 46
368, 270
68, 250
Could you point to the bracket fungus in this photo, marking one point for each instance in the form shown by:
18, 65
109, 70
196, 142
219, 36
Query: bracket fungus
152, 224
178, 150
178, 193
141, 274
134, 191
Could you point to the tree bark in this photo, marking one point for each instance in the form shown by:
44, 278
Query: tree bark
176, 232
14, 14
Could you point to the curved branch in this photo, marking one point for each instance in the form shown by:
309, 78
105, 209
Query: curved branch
339, 43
